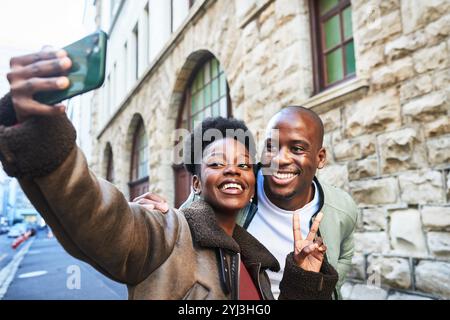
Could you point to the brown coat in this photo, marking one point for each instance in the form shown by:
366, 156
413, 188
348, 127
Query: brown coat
178, 255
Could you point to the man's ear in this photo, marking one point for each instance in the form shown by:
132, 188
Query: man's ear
321, 158
196, 184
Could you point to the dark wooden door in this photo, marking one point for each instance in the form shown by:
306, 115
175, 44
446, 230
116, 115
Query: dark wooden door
182, 184
138, 188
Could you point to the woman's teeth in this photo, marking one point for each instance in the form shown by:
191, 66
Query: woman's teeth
231, 185
284, 176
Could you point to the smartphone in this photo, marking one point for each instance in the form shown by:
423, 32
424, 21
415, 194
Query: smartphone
88, 57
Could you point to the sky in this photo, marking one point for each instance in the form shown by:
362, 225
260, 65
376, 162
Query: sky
27, 25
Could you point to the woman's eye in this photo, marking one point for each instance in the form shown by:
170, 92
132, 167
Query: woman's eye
244, 166
215, 164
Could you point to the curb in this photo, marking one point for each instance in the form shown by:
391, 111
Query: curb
7, 273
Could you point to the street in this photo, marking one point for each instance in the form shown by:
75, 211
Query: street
40, 269
6, 252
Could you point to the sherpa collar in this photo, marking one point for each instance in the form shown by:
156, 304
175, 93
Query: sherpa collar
207, 233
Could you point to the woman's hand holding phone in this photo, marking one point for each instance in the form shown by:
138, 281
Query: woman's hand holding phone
37, 72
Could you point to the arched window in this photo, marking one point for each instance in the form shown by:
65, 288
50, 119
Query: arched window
109, 159
139, 163
207, 95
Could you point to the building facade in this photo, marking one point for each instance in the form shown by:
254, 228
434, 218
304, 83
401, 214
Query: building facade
377, 72
12, 198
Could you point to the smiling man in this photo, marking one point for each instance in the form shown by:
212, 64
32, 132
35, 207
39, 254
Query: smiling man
286, 184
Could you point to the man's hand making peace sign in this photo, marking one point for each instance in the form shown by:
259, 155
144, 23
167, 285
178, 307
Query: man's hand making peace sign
308, 253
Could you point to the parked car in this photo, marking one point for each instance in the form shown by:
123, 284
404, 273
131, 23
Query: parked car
17, 230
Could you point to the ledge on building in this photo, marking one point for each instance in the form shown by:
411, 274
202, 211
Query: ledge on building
254, 11
327, 99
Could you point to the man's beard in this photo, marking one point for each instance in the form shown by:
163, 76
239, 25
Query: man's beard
283, 197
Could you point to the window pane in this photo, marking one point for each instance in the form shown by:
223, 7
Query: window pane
335, 70
223, 84
196, 84
207, 113
206, 69
215, 68
332, 32
193, 103
198, 102
215, 90
145, 154
194, 120
201, 80
207, 91
350, 58
347, 17
145, 144
145, 171
142, 171
216, 109
142, 142
326, 5
223, 106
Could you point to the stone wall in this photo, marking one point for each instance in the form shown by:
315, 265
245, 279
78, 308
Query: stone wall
388, 140
391, 150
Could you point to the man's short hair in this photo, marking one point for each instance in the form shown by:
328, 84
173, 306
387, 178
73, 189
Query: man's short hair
314, 116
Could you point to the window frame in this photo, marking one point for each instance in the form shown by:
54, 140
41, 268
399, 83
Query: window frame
318, 38
110, 165
186, 106
136, 51
186, 101
135, 159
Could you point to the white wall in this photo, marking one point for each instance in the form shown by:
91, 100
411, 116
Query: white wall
154, 30
180, 10
159, 25
79, 112
79, 107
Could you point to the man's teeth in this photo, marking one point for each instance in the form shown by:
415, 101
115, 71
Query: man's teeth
232, 185
279, 175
